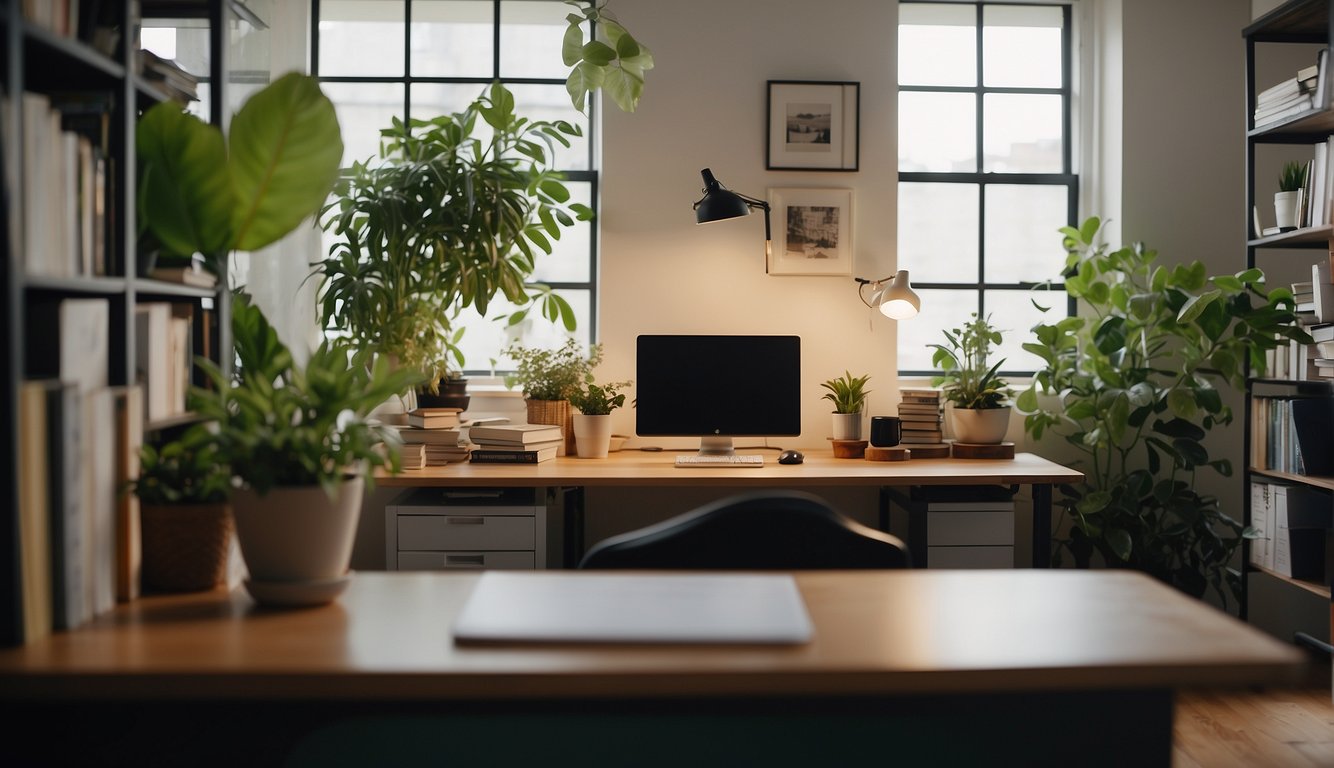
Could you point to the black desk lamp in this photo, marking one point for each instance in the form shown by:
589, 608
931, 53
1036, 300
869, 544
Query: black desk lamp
893, 296
721, 203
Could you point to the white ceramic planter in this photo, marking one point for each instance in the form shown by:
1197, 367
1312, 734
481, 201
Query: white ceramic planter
298, 534
847, 426
1285, 209
592, 436
982, 426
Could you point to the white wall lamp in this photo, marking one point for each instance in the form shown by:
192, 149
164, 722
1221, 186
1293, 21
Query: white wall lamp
893, 296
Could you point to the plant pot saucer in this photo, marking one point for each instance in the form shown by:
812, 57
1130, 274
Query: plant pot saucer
296, 594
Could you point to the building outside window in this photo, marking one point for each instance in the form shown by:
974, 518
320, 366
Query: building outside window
985, 170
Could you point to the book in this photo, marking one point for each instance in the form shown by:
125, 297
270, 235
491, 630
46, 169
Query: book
413, 456
417, 435
191, 275
502, 456
152, 358
129, 405
434, 418
33, 514
98, 463
64, 460
519, 445
525, 433
80, 354
1322, 292
1313, 420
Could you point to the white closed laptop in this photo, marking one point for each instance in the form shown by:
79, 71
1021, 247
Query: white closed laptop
513, 606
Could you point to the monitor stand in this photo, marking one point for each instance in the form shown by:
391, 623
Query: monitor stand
716, 445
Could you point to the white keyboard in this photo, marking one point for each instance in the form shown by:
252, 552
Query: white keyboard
735, 460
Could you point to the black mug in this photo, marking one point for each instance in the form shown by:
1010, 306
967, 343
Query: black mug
886, 431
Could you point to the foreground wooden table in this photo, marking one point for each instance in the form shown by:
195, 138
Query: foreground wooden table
657, 469
948, 666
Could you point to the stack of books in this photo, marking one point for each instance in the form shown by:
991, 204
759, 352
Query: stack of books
433, 437
919, 410
1315, 314
1292, 96
179, 86
515, 443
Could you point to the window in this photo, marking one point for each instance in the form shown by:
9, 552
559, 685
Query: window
984, 169
380, 59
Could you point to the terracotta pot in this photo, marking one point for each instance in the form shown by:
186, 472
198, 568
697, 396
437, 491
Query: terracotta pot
184, 546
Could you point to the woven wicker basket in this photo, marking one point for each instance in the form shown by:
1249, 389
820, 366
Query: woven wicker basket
185, 547
557, 412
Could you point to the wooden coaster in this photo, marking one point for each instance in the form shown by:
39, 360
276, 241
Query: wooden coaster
929, 450
892, 453
849, 449
979, 451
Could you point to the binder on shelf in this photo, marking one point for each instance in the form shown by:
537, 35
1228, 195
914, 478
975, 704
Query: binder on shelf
1313, 421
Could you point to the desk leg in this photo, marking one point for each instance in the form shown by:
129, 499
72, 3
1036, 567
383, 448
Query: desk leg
574, 527
1041, 525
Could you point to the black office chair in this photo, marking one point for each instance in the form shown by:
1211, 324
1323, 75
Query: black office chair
769, 530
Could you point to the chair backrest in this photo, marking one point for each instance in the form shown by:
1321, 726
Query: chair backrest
768, 530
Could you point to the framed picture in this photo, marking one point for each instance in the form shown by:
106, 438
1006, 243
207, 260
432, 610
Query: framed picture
813, 126
812, 232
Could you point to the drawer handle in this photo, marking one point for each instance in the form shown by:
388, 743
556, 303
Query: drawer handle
455, 520
465, 561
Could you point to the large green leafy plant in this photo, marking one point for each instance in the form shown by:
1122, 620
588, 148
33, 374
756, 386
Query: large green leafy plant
280, 424
1136, 379
968, 375
613, 61
202, 193
452, 216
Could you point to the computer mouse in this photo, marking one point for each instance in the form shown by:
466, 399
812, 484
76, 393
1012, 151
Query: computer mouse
791, 457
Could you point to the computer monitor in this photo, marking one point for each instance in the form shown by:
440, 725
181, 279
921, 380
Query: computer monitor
717, 388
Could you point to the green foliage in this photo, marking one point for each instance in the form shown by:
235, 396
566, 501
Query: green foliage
453, 216
553, 374
199, 193
614, 61
969, 380
189, 470
1292, 177
848, 394
595, 400
279, 424
1136, 376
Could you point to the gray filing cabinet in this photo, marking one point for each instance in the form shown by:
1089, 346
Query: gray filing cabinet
432, 529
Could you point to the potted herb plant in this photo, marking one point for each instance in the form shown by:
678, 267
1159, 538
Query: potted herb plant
592, 424
298, 439
1287, 201
980, 399
848, 394
548, 377
185, 518
1135, 385
452, 216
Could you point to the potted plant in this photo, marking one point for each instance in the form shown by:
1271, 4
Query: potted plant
614, 63
848, 394
185, 519
298, 440
453, 216
592, 424
1287, 201
1135, 385
980, 399
548, 377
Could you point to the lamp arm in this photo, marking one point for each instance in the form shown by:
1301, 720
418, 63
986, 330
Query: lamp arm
861, 289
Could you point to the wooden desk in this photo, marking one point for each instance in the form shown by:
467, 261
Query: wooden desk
953, 667
640, 468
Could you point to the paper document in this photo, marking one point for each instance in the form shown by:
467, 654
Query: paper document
634, 608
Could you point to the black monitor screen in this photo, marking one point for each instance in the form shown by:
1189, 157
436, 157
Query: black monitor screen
725, 386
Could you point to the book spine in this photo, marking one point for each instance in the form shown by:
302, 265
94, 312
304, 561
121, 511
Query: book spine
504, 457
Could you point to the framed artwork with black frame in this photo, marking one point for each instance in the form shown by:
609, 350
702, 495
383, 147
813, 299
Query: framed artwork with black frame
813, 232
813, 125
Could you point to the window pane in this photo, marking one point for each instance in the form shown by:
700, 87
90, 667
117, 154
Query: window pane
552, 102
453, 38
1022, 244
486, 340
434, 99
941, 309
361, 38
938, 232
937, 44
363, 110
937, 132
568, 261
1021, 46
1013, 314
1022, 133
531, 33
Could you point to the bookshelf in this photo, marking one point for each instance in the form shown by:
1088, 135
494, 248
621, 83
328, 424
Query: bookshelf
1288, 607
88, 71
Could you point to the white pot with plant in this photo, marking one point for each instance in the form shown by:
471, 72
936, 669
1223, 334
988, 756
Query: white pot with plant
548, 377
592, 425
848, 394
980, 399
1288, 200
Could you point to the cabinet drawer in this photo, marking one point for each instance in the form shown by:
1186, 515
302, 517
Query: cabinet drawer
970, 557
974, 527
442, 561
465, 532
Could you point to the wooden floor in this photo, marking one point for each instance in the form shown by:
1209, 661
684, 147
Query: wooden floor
1291, 728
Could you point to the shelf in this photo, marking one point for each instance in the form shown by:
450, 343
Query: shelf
104, 286
1288, 477
1292, 22
1310, 586
1308, 237
144, 286
1290, 388
1313, 124
51, 51
172, 422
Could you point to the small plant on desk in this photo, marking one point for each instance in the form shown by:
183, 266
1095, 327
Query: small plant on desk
848, 394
